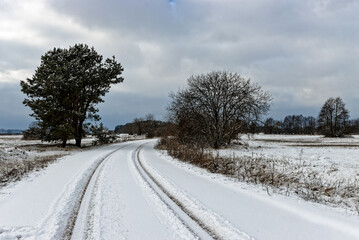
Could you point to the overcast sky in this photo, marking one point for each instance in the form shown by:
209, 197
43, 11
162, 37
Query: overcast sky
301, 51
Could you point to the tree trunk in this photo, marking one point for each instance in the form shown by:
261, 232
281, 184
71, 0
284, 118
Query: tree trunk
64, 143
78, 142
216, 144
78, 136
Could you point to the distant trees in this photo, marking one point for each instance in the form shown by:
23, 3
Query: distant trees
215, 107
272, 126
66, 88
147, 125
298, 124
34, 132
353, 126
291, 124
333, 118
310, 125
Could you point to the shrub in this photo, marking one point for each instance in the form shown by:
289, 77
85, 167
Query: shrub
102, 135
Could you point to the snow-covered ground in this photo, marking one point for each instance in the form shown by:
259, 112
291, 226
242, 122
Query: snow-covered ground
14, 149
328, 151
31, 148
332, 161
17, 141
252, 210
131, 191
18, 156
40, 205
338, 154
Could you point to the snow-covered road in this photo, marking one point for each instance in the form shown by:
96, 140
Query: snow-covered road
131, 191
121, 204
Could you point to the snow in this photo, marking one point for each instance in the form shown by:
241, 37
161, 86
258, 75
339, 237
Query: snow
17, 141
45, 201
253, 211
125, 207
335, 161
212, 221
136, 192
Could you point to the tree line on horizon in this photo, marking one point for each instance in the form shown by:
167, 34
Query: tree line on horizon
148, 126
332, 121
297, 124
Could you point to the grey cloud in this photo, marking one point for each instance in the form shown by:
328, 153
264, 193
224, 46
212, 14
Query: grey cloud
18, 56
13, 114
120, 108
301, 51
144, 18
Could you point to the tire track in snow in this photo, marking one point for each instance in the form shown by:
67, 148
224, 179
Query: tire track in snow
184, 228
88, 189
212, 223
90, 224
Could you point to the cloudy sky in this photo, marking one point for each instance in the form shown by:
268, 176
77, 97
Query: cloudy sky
301, 51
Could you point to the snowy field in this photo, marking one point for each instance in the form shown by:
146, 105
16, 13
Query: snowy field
19, 157
341, 155
332, 161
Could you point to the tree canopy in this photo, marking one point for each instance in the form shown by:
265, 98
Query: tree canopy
66, 88
214, 107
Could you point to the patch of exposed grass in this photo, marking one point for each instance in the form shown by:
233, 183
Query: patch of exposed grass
16, 163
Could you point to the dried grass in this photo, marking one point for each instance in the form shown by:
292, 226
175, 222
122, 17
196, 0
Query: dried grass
280, 176
19, 164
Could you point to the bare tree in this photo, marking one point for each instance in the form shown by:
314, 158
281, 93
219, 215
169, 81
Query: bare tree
272, 126
139, 125
147, 125
333, 118
214, 107
150, 117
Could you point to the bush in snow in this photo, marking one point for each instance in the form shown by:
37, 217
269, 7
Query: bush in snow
102, 134
34, 132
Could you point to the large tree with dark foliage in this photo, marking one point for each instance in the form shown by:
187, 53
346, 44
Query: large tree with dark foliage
65, 89
215, 107
333, 118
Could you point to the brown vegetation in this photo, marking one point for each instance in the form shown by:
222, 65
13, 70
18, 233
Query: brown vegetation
280, 176
13, 170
